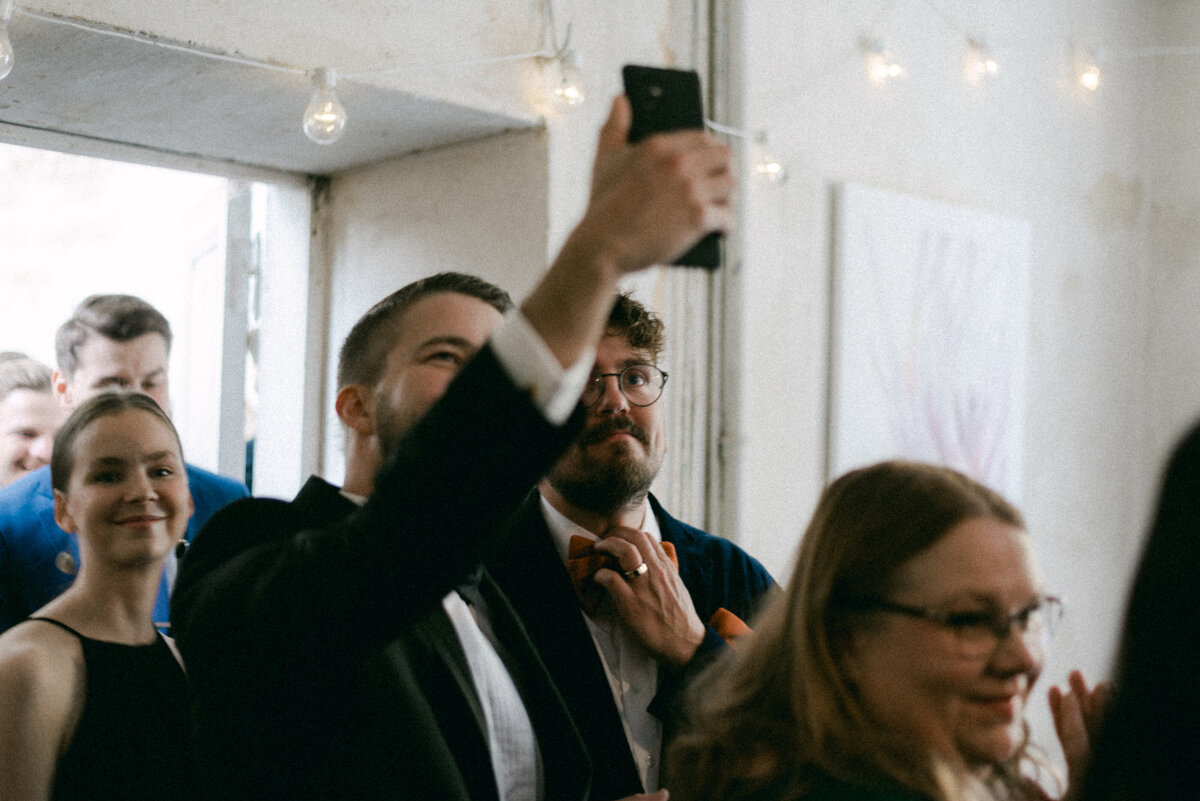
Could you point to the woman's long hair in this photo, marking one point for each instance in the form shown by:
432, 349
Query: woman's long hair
770, 719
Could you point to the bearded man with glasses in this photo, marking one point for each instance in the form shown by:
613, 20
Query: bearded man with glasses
644, 600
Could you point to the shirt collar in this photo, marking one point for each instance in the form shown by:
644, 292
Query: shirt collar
562, 528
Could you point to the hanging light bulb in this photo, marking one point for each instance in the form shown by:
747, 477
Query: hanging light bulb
766, 166
978, 62
324, 119
881, 64
1089, 77
1087, 67
568, 88
7, 54
560, 66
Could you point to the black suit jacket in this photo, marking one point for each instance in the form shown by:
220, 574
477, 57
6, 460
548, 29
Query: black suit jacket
322, 663
717, 575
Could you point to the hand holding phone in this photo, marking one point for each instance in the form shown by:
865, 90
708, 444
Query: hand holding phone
665, 100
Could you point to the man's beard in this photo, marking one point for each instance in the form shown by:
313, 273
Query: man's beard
615, 481
390, 428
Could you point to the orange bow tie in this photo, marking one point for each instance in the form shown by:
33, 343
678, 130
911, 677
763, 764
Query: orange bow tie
583, 561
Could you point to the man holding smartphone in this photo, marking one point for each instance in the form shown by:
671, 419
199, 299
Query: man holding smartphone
343, 645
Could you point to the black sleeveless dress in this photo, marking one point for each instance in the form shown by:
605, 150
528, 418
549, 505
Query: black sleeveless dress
132, 739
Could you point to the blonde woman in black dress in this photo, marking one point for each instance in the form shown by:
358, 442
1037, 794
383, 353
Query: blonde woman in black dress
93, 699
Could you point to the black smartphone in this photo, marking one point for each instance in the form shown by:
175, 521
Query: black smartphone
669, 100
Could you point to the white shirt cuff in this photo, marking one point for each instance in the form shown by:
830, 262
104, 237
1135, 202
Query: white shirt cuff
532, 367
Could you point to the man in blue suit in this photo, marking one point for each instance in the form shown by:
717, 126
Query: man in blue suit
110, 342
623, 644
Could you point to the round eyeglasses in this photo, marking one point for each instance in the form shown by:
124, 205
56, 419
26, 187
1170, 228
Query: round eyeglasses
641, 384
977, 634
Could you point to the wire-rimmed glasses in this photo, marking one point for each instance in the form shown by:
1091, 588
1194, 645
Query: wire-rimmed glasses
641, 384
978, 633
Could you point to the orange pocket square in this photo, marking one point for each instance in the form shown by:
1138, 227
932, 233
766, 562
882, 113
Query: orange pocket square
728, 625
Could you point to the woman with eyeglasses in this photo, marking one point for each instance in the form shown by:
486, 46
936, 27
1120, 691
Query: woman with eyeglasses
898, 664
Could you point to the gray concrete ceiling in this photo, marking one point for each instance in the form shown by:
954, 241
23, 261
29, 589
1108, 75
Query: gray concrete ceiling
110, 89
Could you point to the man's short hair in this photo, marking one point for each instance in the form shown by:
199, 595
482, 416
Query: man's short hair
23, 372
116, 317
363, 354
641, 328
11, 356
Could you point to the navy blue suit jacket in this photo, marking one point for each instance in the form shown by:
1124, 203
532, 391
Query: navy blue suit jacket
31, 573
322, 662
717, 574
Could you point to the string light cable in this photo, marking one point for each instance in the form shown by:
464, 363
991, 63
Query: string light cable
882, 66
766, 166
980, 64
561, 61
324, 119
1088, 63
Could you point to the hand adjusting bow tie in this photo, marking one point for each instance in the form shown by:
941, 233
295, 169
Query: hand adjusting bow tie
583, 561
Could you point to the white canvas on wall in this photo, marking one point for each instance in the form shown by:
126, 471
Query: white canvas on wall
928, 338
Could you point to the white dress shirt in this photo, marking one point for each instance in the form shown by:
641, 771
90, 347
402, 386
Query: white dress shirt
631, 669
512, 743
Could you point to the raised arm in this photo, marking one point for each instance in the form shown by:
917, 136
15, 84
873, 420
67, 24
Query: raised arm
457, 475
649, 203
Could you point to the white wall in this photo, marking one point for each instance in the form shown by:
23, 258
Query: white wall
1169, 341
1108, 181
